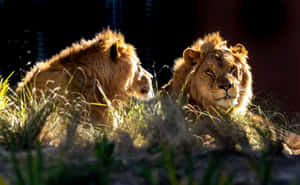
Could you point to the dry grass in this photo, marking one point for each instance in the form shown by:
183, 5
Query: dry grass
54, 120
161, 125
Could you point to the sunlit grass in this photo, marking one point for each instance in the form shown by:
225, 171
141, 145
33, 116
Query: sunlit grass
4, 87
27, 117
28, 120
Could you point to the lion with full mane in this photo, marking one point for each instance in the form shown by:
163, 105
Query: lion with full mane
105, 66
212, 76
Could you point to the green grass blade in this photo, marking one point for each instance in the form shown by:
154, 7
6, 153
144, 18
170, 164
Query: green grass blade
30, 167
16, 166
148, 175
39, 168
190, 166
169, 162
213, 165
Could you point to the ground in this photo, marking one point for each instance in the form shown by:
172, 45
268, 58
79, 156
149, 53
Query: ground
197, 167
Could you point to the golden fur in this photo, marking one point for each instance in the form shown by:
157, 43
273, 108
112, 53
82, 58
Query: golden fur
106, 59
212, 75
207, 70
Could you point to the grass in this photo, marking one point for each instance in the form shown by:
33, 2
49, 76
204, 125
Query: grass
262, 168
34, 172
150, 142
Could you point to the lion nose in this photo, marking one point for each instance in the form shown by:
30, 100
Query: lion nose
144, 90
225, 86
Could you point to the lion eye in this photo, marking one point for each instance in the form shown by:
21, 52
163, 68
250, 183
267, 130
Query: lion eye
210, 73
233, 71
218, 56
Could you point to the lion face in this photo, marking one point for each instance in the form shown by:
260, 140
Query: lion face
142, 84
217, 80
211, 74
128, 71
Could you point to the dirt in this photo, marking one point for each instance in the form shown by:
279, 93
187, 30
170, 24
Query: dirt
285, 170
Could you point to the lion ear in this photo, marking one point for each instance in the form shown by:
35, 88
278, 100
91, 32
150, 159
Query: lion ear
114, 51
239, 49
190, 55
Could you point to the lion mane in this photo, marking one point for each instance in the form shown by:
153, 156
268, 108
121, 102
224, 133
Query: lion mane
207, 69
105, 61
211, 74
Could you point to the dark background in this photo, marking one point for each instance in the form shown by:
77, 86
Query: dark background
34, 30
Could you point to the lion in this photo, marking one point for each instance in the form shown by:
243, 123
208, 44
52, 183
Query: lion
103, 68
212, 76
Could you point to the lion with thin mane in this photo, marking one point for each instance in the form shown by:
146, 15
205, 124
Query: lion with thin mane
104, 66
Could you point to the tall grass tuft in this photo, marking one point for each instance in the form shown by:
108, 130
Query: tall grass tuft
31, 117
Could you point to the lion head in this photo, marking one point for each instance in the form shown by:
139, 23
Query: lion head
142, 85
211, 74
